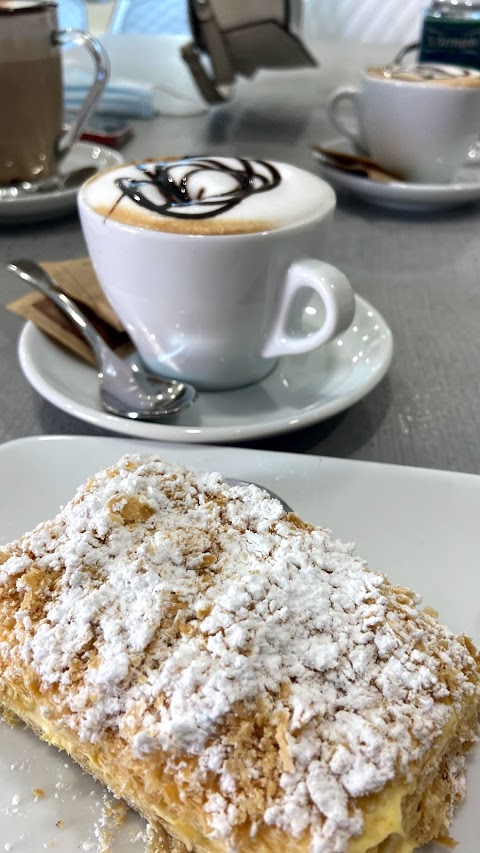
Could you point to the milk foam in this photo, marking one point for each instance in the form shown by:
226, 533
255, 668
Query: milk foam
433, 74
297, 196
19, 5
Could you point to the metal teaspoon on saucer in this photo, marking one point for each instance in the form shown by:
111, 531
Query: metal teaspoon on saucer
125, 390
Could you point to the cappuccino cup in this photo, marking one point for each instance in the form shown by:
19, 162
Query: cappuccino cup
418, 123
210, 261
33, 143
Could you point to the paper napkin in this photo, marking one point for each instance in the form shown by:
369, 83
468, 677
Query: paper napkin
77, 279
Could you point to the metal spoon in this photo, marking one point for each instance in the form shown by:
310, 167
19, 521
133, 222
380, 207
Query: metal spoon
125, 390
56, 183
232, 481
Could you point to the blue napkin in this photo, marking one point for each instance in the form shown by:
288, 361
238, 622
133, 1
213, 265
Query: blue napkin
123, 98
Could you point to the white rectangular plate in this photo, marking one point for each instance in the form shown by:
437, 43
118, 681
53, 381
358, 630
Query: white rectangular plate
417, 526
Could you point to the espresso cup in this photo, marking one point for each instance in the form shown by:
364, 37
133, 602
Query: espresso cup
209, 261
417, 123
33, 143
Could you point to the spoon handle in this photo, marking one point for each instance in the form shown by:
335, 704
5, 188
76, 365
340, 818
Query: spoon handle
33, 274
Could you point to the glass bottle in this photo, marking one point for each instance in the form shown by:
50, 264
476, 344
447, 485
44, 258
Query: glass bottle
451, 33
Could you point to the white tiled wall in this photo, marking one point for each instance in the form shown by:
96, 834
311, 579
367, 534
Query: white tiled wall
376, 21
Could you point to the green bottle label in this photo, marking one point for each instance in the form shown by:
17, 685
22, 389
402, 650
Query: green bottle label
452, 42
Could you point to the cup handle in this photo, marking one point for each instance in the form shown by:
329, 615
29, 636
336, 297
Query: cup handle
102, 73
344, 93
337, 296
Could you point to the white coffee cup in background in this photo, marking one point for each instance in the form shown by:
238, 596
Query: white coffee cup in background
418, 123
207, 261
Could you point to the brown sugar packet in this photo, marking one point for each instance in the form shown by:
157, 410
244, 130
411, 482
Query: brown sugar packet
78, 280
355, 163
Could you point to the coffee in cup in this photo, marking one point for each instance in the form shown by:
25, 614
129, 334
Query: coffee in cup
207, 260
31, 102
417, 122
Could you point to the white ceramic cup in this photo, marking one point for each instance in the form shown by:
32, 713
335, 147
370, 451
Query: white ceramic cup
419, 131
218, 310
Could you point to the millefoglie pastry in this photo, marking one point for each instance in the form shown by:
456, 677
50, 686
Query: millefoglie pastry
237, 676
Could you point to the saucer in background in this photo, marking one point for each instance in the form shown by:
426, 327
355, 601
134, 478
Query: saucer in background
42, 205
399, 195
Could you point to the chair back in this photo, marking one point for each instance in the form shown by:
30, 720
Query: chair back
72, 14
164, 17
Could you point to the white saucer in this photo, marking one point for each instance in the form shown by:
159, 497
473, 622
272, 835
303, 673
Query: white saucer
400, 195
47, 205
302, 390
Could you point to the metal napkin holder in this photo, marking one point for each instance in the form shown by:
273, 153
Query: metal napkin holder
239, 37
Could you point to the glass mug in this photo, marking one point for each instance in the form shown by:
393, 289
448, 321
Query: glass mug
33, 142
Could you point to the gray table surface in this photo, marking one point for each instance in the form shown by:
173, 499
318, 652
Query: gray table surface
421, 271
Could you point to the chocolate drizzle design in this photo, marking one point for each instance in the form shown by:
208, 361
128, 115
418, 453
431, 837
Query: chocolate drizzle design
176, 197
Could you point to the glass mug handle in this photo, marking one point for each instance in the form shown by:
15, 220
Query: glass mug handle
102, 73
350, 94
335, 291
